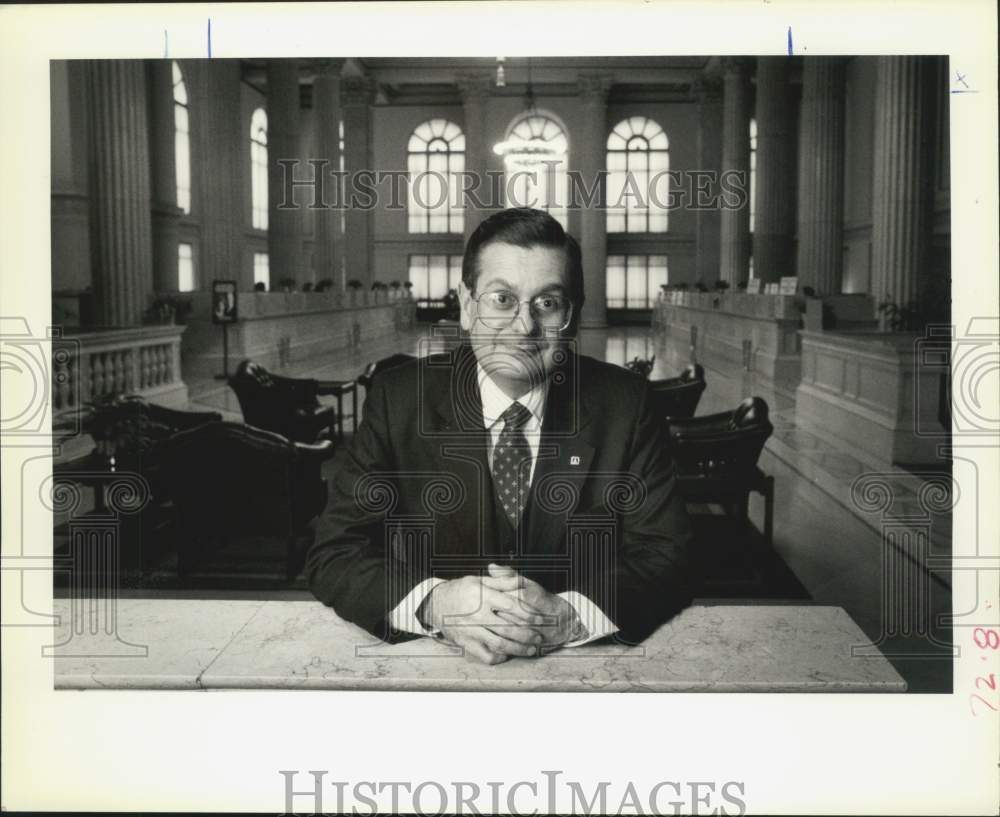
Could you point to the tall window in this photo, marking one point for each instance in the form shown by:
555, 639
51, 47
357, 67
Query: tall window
185, 267
536, 173
436, 153
182, 141
753, 167
433, 275
621, 348
638, 186
258, 168
633, 281
261, 269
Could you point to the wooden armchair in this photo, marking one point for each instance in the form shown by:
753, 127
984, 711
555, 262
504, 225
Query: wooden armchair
717, 455
285, 405
134, 436
235, 484
677, 397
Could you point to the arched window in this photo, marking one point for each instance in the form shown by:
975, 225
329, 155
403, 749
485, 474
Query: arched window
535, 156
638, 185
436, 154
258, 168
753, 167
182, 141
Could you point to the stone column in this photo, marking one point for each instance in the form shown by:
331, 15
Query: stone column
901, 192
821, 175
590, 158
121, 243
475, 88
774, 196
356, 97
326, 104
284, 239
708, 220
734, 222
166, 213
223, 199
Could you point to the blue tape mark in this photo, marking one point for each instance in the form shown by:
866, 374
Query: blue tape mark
791, 51
210, 38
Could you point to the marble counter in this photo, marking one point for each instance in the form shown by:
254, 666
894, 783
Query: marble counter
219, 644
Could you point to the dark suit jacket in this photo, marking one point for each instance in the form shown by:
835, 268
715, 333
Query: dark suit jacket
415, 498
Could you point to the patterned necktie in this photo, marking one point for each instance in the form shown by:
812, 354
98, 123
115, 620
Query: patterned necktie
512, 462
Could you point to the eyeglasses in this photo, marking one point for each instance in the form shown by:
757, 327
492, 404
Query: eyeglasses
499, 308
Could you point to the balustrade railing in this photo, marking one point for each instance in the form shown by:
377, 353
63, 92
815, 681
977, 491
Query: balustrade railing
142, 360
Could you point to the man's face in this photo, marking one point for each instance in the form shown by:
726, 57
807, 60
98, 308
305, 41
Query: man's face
518, 352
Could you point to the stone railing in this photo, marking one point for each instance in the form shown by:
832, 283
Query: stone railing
276, 328
734, 331
866, 389
144, 360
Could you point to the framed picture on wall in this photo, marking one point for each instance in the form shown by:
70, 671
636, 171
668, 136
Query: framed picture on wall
224, 302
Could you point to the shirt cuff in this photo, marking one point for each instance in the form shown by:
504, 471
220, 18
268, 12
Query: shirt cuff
404, 615
596, 623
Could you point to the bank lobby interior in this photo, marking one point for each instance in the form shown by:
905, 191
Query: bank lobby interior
818, 295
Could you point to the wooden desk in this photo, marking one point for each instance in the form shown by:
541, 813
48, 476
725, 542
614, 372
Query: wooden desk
235, 644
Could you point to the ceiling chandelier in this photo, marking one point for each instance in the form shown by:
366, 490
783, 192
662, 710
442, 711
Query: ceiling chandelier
518, 150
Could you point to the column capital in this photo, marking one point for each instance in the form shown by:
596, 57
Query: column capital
356, 90
737, 65
593, 88
706, 89
475, 86
329, 67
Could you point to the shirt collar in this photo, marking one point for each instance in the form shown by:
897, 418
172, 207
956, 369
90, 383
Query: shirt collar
496, 401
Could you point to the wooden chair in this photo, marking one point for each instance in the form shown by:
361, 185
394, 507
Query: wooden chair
716, 458
234, 483
142, 450
677, 397
286, 405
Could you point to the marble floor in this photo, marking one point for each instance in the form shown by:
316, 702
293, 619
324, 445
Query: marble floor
836, 549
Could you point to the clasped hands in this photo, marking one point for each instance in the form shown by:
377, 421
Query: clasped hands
500, 615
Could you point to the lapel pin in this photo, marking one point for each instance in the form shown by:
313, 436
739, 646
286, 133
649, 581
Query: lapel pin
574, 460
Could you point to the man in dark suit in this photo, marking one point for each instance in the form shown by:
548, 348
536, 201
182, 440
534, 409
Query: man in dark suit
508, 495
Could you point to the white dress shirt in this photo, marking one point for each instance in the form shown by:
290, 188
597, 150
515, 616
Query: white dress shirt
495, 403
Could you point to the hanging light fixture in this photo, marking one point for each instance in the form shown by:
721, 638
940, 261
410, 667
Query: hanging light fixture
527, 152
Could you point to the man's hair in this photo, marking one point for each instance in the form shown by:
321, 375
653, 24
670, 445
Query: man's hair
525, 227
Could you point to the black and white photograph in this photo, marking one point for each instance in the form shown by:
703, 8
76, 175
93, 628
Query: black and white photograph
590, 369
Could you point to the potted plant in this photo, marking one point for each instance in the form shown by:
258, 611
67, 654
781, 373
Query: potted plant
164, 311
117, 424
641, 366
909, 317
354, 287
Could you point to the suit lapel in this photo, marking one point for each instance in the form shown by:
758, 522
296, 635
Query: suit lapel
564, 456
459, 439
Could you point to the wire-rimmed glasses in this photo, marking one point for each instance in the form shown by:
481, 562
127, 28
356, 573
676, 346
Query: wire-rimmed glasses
499, 308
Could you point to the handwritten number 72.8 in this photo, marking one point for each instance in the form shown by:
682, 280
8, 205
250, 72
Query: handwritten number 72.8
984, 639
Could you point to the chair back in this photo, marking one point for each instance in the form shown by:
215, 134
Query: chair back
678, 397
231, 478
272, 402
720, 449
